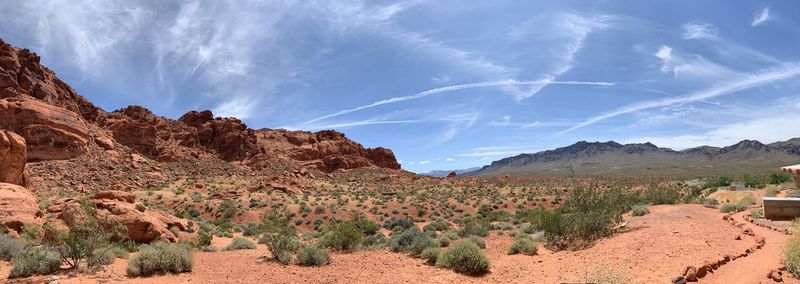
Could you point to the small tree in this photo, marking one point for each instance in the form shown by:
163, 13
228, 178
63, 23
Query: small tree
279, 236
88, 240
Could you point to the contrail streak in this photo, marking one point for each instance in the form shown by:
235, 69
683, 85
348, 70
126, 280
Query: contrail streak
746, 82
454, 88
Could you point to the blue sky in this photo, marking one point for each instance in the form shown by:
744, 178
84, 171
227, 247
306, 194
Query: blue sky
445, 84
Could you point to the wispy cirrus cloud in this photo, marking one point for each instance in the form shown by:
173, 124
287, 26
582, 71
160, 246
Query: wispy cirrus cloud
698, 30
451, 89
761, 18
694, 67
736, 84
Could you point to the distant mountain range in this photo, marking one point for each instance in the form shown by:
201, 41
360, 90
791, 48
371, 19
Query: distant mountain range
444, 173
646, 159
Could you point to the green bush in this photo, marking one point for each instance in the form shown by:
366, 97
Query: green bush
402, 223
86, 238
376, 241
431, 255
239, 243
640, 210
9, 247
345, 236
478, 241
412, 241
718, 182
312, 256
662, 195
35, 261
524, 245
779, 178
473, 228
732, 207
366, 226
160, 258
438, 225
279, 236
753, 181
791, 256
204, 237
757, 213
464, 257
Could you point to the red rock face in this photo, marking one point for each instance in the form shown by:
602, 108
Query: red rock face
326, 150
51, 132
229, 137
12, 158
21, 75
18, 207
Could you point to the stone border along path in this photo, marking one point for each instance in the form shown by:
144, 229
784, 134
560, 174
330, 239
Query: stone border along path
692, 273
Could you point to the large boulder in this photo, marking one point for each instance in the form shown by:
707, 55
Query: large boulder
18, 207
120, 207
12, 158
50, 132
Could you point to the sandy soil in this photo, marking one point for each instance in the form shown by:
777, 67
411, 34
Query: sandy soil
657, 248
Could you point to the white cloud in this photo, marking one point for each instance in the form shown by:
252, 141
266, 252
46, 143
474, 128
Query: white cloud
425, 162
761, 17
449, 159
691, 67
497, 151
733, 85
451, 89
699, 30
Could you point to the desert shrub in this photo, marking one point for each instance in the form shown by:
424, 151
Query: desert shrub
779, 178
87, 238
791, 256
640, 210
378, 240
754, 181
239, 243
344, 236
438, 225
9, 247
478, 241
312, 256
160, 258
204, 237
473, 227
279, 236
35, 261
412, 241
793, 193
208, 249
661, 195
404, 224
757, 213
464, 257
524, 245
104, 256
430, 255
718, 182
363, 224
772, 192
711, 203
252, 229
732, 207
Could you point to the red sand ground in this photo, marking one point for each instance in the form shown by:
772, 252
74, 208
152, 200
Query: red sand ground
657, 248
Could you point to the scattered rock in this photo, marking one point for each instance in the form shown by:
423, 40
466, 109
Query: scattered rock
775, 275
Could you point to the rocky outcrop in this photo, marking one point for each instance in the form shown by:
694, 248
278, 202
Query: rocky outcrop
18, 207
325, 150
50, 132
12, 159
120, 207
229, 137
23, 76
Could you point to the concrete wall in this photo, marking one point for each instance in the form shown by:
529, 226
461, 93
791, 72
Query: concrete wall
781, 208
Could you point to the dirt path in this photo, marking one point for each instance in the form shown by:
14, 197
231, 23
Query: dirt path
755, 267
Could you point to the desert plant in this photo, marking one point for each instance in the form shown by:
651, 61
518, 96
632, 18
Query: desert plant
524, 245
779, 178
473, 227
279, 236
344, 236
412, 241
662, 195
9, 247
35, 261
159, 258
464, 257
711, 203
430, 255
404, 224
478, 241
757, 213
312, 256
732, 207
239, 243
791, 256
640, 210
